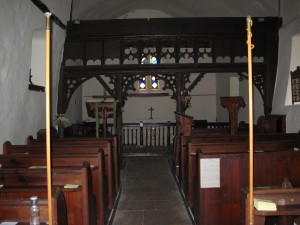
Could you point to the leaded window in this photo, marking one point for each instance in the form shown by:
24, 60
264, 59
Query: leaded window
149, 82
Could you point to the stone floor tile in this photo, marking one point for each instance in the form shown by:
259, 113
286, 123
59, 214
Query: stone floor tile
140, 196
123, 217
136, 189
150, 194
166, 217
125, 196
169, 204
136, 205
166, 195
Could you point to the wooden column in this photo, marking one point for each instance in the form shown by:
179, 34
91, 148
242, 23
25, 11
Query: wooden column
180, 93
233, 104
121, 102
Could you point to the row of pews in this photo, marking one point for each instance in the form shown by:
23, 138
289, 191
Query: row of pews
85, 178
212, 168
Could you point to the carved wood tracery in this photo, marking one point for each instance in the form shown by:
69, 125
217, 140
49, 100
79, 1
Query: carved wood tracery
115, 48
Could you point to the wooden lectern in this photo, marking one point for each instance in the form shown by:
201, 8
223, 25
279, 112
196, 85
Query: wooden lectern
103, 109
233, 104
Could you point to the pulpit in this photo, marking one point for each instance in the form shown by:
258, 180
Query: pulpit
103, 109
233, 104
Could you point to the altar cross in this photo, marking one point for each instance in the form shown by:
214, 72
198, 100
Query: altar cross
151, 111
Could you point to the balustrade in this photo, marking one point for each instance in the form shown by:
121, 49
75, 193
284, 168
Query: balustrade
145, 135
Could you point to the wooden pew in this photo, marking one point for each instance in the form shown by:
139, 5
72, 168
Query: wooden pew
97, 164
234, 147
184, 140
14, 205
113, 142
229, 144
183, 128
8, 148
184, 132
81, 206
221, 204
286, 199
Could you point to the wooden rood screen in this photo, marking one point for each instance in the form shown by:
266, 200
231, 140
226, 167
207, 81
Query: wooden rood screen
189, 45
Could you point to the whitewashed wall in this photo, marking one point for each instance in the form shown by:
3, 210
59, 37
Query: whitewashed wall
103, 9
258, 104
23, 111
291, 27
203, 103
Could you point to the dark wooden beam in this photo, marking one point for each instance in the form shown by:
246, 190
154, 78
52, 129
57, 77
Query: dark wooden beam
161, 69
44, 8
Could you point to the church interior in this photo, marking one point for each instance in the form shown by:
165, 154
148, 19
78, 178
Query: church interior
142, 113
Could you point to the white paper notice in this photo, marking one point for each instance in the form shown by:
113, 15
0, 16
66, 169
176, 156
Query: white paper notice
8, 223
210, 173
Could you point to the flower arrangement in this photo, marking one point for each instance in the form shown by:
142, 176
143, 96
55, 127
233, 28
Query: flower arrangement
61, 120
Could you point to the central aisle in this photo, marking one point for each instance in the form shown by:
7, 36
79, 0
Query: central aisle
150, 195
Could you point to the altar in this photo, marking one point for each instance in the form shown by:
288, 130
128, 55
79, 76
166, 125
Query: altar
152, 120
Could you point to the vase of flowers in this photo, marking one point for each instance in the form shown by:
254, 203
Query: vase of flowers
61, 121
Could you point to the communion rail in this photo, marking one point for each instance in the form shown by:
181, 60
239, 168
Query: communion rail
148, 134
141, 136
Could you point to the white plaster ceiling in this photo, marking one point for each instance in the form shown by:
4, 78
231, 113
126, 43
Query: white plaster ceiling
112, 9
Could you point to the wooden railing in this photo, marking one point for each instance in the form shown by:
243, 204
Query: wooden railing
133, 134
142, 136
148, 134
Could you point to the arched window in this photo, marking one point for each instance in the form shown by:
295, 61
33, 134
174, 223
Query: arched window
149, 83
37, 78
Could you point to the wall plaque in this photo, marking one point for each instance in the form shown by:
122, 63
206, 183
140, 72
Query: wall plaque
295, 83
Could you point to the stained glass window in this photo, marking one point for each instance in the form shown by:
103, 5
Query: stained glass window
143, 84
154, 83
151, 80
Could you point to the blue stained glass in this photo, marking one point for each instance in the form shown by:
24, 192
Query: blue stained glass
143, 81
154, 83
153, 60
142, 84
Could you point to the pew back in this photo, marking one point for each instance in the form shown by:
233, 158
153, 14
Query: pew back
68, 149
221, 204
14, 207
80, 201
239, 146
112, 142
286, 199
96, 161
